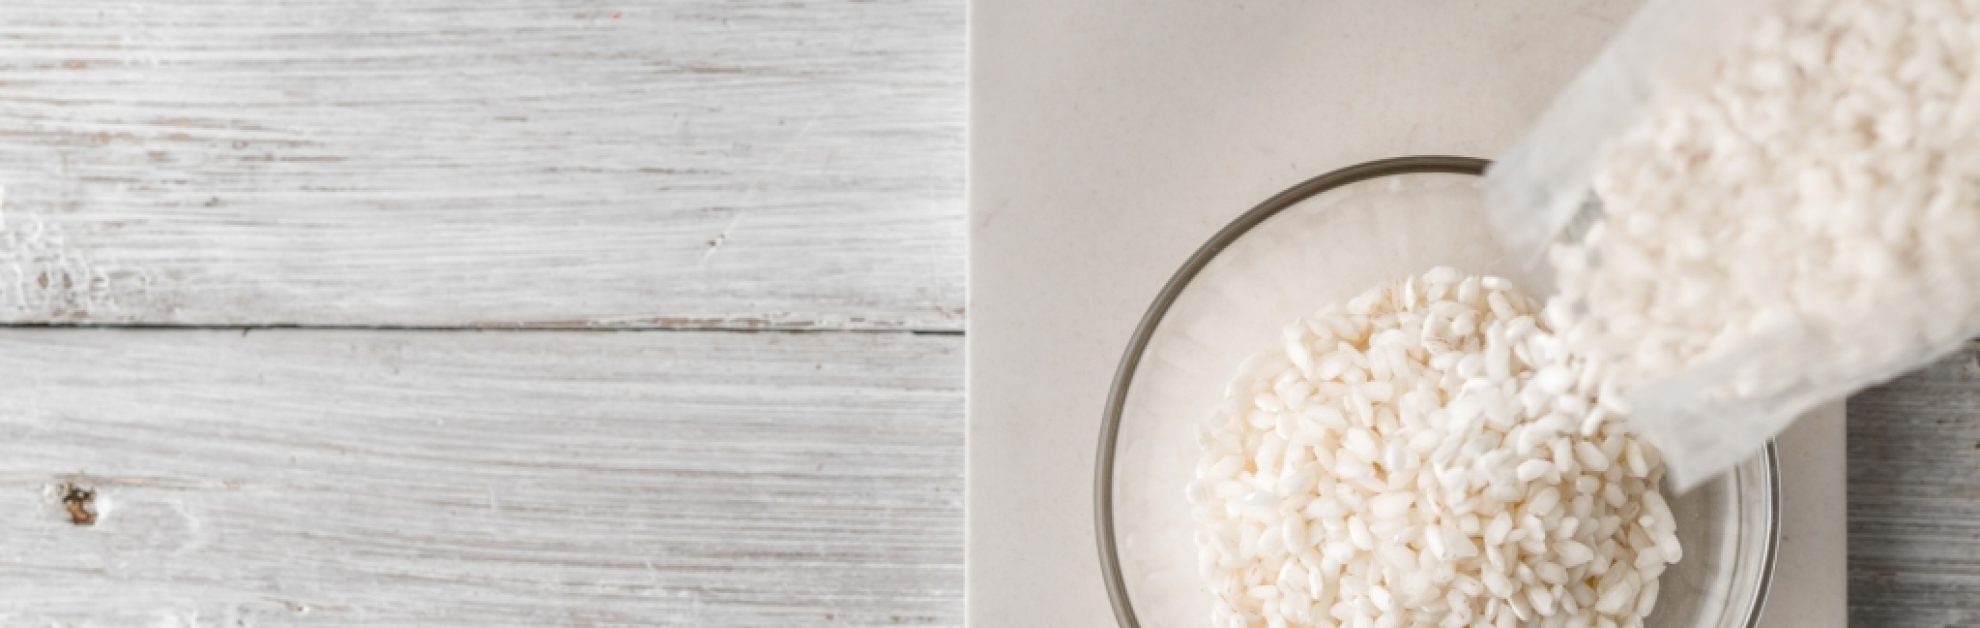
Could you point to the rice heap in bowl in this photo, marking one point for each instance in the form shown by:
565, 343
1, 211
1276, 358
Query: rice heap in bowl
1428, 454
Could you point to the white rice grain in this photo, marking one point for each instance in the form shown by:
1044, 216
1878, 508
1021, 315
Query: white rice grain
1441, 460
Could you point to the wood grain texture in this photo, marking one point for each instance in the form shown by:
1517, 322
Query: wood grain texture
563, 163
1914, 498
328, 478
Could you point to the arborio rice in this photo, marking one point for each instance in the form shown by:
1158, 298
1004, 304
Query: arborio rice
1789, 201
1427, 454
1797, 220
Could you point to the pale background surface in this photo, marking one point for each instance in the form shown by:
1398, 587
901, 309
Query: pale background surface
691, 173
216, 173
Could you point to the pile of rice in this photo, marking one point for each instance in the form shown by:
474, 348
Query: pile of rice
1791, 221
1428, 454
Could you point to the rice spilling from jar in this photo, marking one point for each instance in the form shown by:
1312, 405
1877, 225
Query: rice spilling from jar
1428, 454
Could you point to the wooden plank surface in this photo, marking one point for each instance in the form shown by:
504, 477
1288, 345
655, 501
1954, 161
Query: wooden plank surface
568, 163
556, 163
293, 477
1914, 498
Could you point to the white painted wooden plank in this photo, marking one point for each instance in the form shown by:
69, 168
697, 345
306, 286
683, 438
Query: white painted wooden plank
483, 162
295, 477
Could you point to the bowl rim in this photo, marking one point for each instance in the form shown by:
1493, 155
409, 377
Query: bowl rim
1110, 425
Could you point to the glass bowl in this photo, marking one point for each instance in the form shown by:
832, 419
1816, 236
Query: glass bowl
1323, 241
